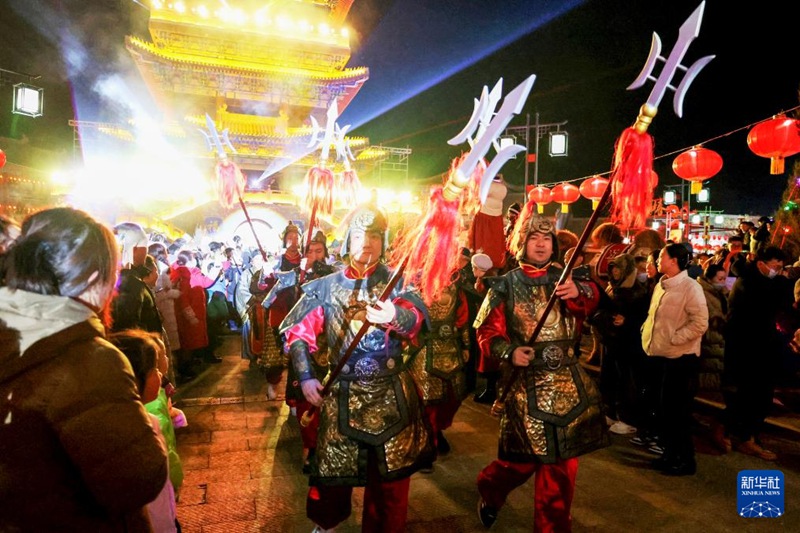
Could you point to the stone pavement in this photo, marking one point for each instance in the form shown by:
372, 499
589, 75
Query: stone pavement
242, 462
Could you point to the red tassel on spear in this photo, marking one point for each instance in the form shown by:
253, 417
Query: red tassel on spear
319, 180
230, 180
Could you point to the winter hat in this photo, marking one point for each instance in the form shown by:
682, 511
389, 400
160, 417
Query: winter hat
482, 261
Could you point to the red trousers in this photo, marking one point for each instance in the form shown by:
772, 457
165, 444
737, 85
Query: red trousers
385, 504
554, 488
440, 416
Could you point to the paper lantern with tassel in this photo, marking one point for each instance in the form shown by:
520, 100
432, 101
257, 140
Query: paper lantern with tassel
565, 194
777, 139
593, 189
2, 159
541, 195
697, 165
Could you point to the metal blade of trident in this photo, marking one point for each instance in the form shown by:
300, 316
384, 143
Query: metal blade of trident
488, 126
688, 32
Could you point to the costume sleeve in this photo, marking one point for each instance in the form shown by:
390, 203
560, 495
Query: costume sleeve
307, 329
493, 340
301, 341
408, 320
586, 302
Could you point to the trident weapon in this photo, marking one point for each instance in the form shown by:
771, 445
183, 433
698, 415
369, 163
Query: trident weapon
433, 232
230, 180
633, 158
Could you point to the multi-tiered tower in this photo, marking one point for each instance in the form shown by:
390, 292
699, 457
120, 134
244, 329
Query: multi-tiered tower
259, 69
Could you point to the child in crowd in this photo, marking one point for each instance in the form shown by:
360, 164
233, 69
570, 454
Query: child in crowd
169, 417
142, 352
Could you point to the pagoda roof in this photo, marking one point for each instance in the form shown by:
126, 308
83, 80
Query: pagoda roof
232, 65
168, 72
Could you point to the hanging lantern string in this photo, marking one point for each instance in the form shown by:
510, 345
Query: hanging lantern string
670, 154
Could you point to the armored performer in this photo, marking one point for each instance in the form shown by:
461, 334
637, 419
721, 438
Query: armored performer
371, 430
253, 315
313, 266
552, 410
438, 361
273, 360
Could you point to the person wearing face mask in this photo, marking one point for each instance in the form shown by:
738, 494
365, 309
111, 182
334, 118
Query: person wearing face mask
753, 348
712, 347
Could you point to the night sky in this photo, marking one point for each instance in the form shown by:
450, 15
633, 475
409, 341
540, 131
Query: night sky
428, 59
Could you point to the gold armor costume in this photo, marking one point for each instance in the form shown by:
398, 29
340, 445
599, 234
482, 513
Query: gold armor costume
437, 362
553, 409
373, 406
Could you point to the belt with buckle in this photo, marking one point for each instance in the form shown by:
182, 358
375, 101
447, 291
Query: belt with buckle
367, 369
552, 355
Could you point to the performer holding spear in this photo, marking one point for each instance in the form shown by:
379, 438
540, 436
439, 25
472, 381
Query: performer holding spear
371, 428
550, 410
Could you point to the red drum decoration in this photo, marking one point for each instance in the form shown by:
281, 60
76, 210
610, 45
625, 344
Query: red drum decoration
565, 194
697, 165
541, 195
776, 138
593, 188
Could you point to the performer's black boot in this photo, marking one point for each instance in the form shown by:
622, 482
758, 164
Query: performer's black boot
489, 394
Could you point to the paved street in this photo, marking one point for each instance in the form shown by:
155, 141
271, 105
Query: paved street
242, 462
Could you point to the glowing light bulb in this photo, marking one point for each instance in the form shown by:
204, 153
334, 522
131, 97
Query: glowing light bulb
180, 7
203, 11
345, 32
283, 22
324, 29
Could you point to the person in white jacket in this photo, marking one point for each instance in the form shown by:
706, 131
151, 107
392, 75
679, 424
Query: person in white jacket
671, 336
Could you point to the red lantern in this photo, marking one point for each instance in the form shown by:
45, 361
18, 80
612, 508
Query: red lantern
541, 195
776, 138
697, 165
565, 194
593, 188
2, 159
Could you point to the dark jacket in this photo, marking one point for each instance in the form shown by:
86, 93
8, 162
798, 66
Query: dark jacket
135, 305
77, 449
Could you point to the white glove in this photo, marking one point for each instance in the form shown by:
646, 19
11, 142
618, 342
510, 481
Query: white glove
381, 312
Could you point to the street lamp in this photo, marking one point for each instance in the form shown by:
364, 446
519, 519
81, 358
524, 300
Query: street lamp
28, 99
557, 144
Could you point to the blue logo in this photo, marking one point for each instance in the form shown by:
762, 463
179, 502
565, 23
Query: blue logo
760, 494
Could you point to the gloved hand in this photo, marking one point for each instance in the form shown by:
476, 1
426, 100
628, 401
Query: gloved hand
381, 312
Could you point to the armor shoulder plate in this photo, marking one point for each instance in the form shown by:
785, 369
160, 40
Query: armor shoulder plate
314, 294
283, 281
498, 292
